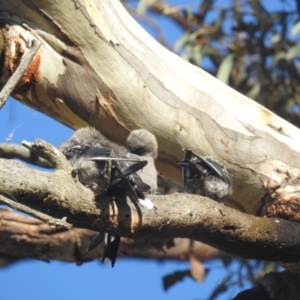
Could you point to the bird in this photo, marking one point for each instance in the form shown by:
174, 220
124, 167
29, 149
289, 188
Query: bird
204, 175
88, 151
142, 144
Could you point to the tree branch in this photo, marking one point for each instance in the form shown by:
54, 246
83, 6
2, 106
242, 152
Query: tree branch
47, 219
31, 238
191, 110
10, 151
60, 195
195, 110
21, 69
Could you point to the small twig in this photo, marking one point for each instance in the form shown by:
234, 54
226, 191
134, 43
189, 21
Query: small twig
49, 153
52, 222
17, 75
10, 151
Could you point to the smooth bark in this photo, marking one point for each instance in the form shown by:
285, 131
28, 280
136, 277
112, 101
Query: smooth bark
107, 72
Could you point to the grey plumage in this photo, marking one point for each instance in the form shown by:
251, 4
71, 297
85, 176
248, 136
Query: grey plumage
204, 175
142, 144
85, 151
82, 145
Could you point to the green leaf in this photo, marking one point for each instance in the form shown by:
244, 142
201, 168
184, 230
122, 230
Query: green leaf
295, 29
197, 55
278, 56
187, 52
254, 91
225, 68
293, 52
181, 41
275, 38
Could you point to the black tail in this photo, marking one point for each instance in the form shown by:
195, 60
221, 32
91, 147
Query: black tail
98, 239
111, 246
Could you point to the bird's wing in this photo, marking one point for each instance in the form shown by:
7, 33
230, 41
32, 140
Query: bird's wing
138, 165
95, 158
97, 151
142, 186
87, 151
133, 177
188, 166
188, 154
129, 188
74, 151
215, 167
224, 175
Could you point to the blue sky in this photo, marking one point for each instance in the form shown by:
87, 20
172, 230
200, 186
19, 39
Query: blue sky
129, 279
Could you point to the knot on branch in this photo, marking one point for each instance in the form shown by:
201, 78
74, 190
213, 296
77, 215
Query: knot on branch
21, 61
284, 198
42, 149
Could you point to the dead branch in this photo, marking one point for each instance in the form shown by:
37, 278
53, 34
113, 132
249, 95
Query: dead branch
47, 219
10, 151
21, 69
22, 237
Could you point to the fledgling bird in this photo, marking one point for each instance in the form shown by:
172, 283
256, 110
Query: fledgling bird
204, 175
143, 144
87, 151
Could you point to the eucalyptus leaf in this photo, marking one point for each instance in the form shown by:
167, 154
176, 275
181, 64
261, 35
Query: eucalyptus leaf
225, 68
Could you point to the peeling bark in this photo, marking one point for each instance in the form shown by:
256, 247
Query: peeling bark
122, 88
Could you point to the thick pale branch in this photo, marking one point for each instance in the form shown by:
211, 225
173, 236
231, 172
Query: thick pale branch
127, 81
179, 215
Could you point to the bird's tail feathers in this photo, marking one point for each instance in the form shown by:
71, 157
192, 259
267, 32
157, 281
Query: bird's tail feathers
98, 239
111, 246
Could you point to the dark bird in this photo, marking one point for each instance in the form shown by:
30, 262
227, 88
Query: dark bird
204, 175
88, 151
142, 143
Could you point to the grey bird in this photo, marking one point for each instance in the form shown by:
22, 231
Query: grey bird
87, 151
142, 144
204, 175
